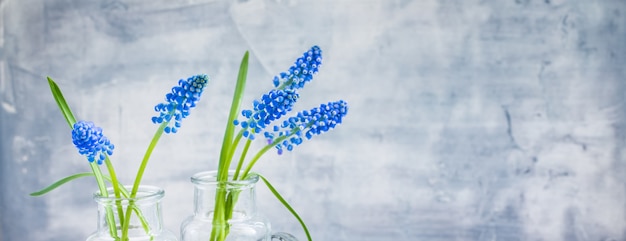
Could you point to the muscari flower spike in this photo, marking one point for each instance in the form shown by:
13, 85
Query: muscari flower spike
272, 106
178, 102
301, 71
313, 122
90, 141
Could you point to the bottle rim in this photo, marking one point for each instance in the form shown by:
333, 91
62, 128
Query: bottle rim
209, 178
145, 193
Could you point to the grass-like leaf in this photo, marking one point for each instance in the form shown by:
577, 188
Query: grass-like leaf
122, 189
58, 97
235, 106
70, 178
282, 200
61, 182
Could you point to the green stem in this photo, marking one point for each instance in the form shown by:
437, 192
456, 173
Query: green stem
266, 148
146, 158
263, 151
116, 189
233, 147
142, 168
285, 84
104, 193
255, 159
136, 209
241, 159
219, 217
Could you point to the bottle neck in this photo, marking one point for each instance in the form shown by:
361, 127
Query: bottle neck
145, 213
240, 196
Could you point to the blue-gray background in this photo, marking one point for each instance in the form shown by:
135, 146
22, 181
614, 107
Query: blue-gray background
469, 120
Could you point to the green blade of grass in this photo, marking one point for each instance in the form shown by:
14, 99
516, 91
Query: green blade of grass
70, 178
234, 111
284, 202
61, 182
58, 97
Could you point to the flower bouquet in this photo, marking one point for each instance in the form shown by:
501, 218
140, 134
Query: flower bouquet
118, 202
266, 119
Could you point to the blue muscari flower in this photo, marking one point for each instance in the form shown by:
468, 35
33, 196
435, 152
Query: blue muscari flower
301, 71
178, 103
271, 107
308, 123
90, 141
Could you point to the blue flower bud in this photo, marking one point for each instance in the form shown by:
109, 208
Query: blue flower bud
312, 122
90, 141
180, 101
301, 71
271, 107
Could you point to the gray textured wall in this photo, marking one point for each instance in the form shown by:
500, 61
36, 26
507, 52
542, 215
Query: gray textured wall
469, 120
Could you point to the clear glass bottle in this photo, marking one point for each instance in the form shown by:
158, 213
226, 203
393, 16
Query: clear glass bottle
245, 223
146, 222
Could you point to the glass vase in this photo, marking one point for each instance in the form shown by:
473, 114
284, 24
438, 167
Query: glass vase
145, 223
238, 202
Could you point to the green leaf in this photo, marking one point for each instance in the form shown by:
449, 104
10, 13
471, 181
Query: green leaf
282, 200
61, 182
227, 143
67, 179
58, 97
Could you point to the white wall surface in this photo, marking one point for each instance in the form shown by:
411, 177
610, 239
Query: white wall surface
469, 120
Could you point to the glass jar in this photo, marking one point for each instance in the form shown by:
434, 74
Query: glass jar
146, 222
244, 223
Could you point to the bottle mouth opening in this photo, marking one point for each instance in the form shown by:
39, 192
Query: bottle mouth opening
144, 193
209, 178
